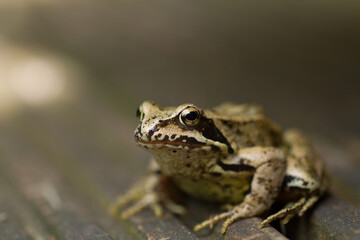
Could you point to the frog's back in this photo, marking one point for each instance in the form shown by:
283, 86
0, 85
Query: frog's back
245, 125
239, 112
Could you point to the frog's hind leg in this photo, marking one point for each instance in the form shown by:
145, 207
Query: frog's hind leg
304, 171
270, 166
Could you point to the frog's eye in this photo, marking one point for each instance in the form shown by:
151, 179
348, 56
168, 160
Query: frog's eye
140, 114
190, 116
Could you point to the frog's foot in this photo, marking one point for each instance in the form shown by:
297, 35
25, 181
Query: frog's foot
149, 200
212, 221
174, 207
121, 201
291, 210
237, 212
142, 197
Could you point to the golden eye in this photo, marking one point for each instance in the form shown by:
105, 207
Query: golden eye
140, 114
190, 116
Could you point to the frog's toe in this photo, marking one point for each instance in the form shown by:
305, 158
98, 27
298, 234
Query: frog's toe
150, 200
175, 208
122, 200
230, 220
308, 204
286, 219
288, 212
212, 221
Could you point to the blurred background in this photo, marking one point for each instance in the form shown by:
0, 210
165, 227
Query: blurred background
300, 60
72, 74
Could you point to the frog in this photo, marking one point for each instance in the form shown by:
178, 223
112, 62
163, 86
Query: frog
232, 154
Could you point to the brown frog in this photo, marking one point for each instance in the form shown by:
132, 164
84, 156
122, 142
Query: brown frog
231, 154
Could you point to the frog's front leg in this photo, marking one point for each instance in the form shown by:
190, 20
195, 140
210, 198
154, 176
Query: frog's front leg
270, 165
145, 194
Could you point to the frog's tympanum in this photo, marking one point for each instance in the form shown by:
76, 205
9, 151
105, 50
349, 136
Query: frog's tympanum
231, 154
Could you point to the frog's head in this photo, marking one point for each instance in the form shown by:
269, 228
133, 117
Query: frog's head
177, 131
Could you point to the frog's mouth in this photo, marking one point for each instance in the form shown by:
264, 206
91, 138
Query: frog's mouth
178, 145
177, 142
190, 142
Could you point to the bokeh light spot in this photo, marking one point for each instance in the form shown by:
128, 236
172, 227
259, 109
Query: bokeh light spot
37, 81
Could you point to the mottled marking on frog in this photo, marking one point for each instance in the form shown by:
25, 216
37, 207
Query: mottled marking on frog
185, 139
261, 180
227, 123
240, 160
151, 132
235, 167
210, 131
157, 136
288, 180
216, 174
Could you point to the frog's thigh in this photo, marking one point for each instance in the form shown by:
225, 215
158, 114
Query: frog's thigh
305, 168
265, 186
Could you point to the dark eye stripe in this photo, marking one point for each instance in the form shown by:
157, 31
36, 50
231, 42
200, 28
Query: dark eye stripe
187, 140
210, 131
206, 127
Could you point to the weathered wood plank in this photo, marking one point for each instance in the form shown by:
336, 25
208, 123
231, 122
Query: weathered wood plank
247, 229
69, 151
332, 218
10, 228
60, 206
167, 227
335, 218
342, 166
60, 164
20, 219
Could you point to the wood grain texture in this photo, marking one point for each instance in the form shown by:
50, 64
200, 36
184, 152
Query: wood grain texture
60, 168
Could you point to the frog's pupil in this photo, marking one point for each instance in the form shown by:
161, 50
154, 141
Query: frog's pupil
191, 116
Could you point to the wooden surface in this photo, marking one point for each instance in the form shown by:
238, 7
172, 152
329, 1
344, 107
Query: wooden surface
61, 166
